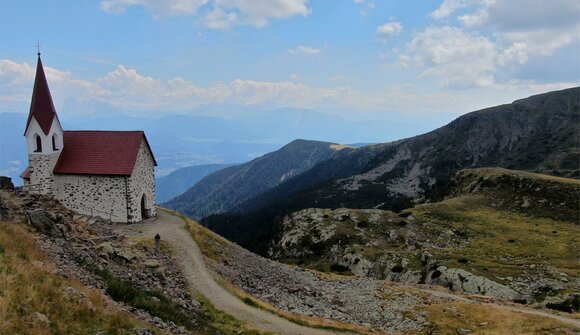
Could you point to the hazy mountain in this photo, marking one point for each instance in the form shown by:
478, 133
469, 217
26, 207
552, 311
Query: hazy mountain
187, 140
13, 152
539, 133
226, 189
181, 180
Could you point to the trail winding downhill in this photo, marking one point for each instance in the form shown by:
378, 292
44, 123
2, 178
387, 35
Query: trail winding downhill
172, 228
189, 256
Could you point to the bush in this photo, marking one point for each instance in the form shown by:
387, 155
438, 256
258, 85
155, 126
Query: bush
397, 269
363, 224
338, 268
249, 302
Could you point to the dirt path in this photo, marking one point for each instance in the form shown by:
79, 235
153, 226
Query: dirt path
172, 228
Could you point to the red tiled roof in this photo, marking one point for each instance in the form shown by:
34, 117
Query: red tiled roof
100, 152
25, 174
41, 106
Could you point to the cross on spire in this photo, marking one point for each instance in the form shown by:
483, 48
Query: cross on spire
38, 48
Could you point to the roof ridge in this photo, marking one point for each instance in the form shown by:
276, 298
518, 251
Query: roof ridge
104, 131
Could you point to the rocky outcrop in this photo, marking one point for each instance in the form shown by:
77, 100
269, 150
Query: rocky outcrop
48, 223
464, 281
6, 183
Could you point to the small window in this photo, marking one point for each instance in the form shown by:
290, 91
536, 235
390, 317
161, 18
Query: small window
54, 147
38, 143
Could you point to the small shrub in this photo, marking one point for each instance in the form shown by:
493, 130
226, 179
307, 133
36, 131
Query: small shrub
338, 268
436, 274
397, 269
570, 305
363, 224
249, 302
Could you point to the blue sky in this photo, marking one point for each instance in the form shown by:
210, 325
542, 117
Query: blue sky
358, 59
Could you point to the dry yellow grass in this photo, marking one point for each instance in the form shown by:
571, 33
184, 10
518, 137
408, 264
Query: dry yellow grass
496, 172
340, 146
28, 287
484, 319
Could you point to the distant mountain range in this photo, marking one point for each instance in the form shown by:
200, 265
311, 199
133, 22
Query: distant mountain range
187, 140
227, 189
179, 181
538, 134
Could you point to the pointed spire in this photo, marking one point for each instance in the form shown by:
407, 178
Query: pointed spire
41, 106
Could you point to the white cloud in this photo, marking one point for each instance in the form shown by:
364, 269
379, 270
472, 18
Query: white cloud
447, 8
460, 59
131, 92
541, 29
216, 14
389, 29
304, 50
368, 5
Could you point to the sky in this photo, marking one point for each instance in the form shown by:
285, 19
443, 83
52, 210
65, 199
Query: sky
357, 59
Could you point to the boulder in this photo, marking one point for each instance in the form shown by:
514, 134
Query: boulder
39, 319
151, 263
356, 263
44, 222
125, 254
106, 247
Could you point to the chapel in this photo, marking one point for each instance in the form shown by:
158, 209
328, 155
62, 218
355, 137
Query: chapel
109, 174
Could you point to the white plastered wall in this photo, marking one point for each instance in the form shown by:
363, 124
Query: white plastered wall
142, 181
41, 164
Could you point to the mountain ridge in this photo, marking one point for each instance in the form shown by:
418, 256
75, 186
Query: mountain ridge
223, 190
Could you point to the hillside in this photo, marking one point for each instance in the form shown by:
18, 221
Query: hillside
179, 181
539, 133
504, 233
224, 190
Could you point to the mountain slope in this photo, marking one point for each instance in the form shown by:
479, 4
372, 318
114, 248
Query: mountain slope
512, 232
179, 181
539, 133
224, 190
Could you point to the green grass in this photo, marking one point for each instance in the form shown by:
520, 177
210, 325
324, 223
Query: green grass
222, 322
502, 243
248, 301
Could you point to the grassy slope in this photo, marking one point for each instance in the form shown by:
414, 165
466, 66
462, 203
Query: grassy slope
27, 286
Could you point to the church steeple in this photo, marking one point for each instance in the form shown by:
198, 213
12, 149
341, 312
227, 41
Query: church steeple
41, 106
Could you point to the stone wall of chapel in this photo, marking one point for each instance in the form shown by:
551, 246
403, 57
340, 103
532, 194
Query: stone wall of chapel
142, 181
103, 196
41, 177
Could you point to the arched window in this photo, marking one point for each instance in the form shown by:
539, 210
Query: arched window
38, 143
54, 147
